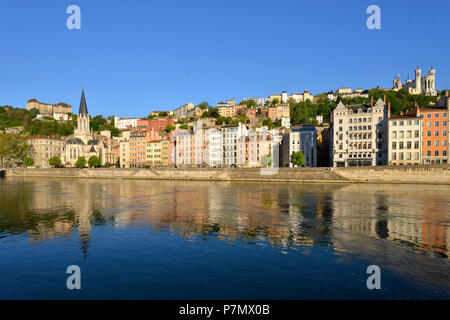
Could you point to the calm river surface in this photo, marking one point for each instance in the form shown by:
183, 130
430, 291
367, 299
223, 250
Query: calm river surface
212, 240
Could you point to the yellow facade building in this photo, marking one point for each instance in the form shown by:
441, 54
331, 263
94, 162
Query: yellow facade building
154, 153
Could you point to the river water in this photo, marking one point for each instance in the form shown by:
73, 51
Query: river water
142, 239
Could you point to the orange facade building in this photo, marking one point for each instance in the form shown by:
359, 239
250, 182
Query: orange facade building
434, 134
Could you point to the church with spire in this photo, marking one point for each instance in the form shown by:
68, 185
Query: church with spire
83, 143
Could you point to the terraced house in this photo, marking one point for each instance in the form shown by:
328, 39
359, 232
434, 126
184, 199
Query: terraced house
435, 126
405, 139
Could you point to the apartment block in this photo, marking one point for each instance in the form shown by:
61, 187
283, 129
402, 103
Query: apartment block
405, 139
230, 136
279, 111
42, 148
300, 138
252, 147
359, 134
434, 134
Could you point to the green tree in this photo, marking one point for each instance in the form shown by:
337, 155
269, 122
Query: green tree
203, 105
81, 162
55, 162
298, 158
267, 160
249, 103
184, 126
169, 128
13, 149
28, 162
94, 162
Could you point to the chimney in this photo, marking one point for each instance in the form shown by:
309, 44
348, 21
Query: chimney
384, 99
331, 117
371, 101
389, 109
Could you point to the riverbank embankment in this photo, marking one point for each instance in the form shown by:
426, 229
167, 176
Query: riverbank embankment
383, 174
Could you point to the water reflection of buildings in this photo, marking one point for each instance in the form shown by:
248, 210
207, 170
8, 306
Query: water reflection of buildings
286, 216
417, 217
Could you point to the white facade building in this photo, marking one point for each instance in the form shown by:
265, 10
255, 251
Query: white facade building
259, 101
215, 147
360, 134
405, 137
286, 122
123, 123
230, 135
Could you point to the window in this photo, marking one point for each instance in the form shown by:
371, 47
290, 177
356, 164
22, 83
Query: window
408, 145
436, 123
416, 156
400, 145
428, 153
428, 123
436, 133
416, 133
408, 156
436, 153
394, 134
436, 143
436, 115
394, 156
429, 115
400, 156
394, 145
429, 133
401, 134
416, 144
408, 134
394, 123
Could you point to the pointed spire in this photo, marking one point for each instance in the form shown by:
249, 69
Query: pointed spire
83, 106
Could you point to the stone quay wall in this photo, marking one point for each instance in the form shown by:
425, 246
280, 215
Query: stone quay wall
382, 174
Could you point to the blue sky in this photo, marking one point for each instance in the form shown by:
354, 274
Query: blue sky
136, 56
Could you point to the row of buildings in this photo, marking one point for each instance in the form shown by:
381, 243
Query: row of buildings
368, 135
232, 145
358, 135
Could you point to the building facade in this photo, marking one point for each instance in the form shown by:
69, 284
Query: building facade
42, 148
300, 138
405, 140
48, 109
124, 123
230, 136
435, 126
359, 134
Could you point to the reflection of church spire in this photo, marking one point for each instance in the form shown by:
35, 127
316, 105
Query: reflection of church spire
84, 243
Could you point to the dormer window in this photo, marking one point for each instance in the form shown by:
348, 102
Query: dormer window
359, 111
